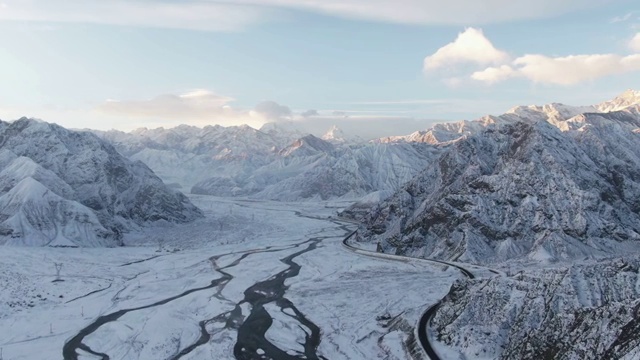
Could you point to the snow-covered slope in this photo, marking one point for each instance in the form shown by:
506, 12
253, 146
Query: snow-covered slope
60, 187
583, 311
526, 186
23, 167
33, 215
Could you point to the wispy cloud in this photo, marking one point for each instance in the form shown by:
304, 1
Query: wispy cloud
193, 15
436, 11
198, 107
401, 102
227, 15
193, 104
622, 18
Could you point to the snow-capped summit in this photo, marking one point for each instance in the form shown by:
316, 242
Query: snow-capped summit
307, 146
553, 113
564, 117
334, 135
626, 100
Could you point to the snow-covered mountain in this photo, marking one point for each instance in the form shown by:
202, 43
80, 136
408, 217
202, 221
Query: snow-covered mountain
311, 168
274, 162
336, 135
544, 183
555, 113
61, 187
185, 155
307, 146
348, 172
582, 311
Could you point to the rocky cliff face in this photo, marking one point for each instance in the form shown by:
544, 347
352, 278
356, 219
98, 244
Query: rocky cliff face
62, 187
585, 311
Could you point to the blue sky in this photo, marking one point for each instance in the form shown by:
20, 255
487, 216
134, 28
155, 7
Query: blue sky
127, 64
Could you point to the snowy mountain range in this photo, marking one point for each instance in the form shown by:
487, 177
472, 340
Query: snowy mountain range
66, 188
282, 163
275, 162
545, 183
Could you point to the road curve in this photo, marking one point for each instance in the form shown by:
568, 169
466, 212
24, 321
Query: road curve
423, 322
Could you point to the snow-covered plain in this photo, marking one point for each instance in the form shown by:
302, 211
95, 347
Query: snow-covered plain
150, 299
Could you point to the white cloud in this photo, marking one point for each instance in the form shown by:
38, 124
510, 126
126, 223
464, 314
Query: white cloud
199, 107
634, 43
194, 104
272, 110
568, 70
227, 15
471, 46
493, 75
453, 82
458, 12
309, 113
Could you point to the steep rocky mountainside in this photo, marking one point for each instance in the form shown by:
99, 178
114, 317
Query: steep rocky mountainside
537, 185
585, 311
62, 187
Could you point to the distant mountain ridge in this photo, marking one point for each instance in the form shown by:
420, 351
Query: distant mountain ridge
560, 115
274, 162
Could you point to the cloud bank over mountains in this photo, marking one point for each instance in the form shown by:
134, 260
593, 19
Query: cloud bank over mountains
204, 107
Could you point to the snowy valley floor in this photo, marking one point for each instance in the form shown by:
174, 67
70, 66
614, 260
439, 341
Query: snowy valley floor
271, 277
